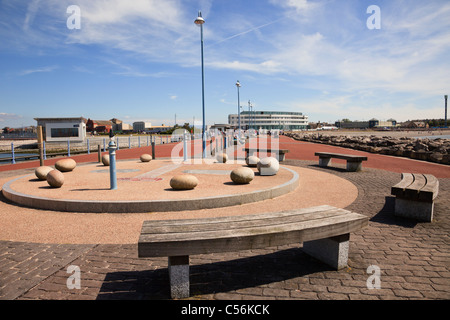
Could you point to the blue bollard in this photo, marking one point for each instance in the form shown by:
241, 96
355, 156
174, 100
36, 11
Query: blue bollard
88, 147
68, 148
12, 152
104, 144
112, 165
45, 152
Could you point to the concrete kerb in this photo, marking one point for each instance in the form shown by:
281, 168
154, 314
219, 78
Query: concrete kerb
89, 206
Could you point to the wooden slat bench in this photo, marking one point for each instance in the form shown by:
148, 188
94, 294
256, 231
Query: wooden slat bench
354, 163
280, 153
324, 231
415, 195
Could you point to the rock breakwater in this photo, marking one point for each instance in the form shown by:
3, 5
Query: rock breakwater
433, 150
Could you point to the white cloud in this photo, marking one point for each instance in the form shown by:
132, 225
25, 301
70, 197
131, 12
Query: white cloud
38, 70
31, 14
154, 29
298, 5
265, 67
402, 56
332, 107
8, 116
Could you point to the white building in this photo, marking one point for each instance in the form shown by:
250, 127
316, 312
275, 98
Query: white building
270, 120
141, 126
63, 129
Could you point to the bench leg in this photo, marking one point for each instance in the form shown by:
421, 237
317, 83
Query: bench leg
179, 277
324, 162
332, 251
353, 166
422, 211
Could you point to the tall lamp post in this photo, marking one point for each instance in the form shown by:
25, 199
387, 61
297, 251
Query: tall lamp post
446, 97
238, 85
200, 21
249, 115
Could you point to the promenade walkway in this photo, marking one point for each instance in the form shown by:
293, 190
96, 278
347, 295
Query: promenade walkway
413, 258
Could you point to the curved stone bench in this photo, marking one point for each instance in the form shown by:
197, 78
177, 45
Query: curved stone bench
415, 195
324, 231
354, 163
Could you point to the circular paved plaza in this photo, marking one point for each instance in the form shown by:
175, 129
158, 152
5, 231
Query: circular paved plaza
412, 257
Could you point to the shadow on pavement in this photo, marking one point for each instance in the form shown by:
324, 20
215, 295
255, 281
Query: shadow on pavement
215, 277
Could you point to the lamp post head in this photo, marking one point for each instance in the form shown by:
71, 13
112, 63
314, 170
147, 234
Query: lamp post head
238, 84
199, 21
446, 96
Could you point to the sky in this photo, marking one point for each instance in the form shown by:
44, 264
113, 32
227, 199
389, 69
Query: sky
140, 60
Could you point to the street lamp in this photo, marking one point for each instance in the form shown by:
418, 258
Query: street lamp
238, 85
446, 97
249, 114
200, 21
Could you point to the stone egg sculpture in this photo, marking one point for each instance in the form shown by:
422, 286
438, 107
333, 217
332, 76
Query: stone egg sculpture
55, 179
65, 165
222, 157
42, 171
242, 175
146, 157
252, 161
105, 159
268, 166
183, 182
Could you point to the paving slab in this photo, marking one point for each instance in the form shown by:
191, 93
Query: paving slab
413, 257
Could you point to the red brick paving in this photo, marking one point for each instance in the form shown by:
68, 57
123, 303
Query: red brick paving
413, 257
297, 151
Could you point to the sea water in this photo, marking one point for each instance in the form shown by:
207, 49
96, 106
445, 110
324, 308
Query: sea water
434, 137
9, 155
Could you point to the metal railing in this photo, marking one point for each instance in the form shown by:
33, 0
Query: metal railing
68, 148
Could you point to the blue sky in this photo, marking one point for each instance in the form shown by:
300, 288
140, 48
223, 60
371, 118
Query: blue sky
140, 60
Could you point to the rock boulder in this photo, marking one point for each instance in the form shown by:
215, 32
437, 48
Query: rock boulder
184, 182
222, 157
105, 159
242, 175
252, 161
146, 157
268, 166
41, 172
55, 179
65, 165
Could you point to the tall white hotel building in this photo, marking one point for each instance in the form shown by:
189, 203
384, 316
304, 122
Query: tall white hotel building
269, 120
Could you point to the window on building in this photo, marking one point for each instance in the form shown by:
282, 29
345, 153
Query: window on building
64, 132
